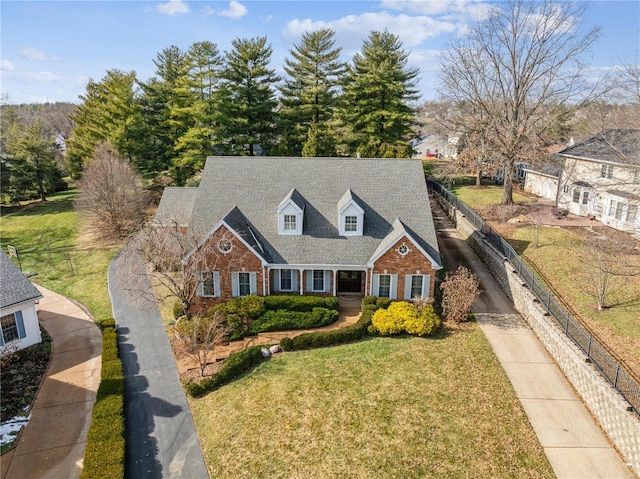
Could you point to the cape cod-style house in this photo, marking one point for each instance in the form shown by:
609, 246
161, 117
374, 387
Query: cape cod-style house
19, 326
327, 226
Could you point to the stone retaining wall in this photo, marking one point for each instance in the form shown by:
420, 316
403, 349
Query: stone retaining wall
603, 401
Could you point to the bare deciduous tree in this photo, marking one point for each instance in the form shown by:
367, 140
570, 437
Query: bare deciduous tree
200, 336
606, 261
515, 68
111, 195
459, 290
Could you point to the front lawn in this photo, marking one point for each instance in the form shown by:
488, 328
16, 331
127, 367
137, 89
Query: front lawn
380, 408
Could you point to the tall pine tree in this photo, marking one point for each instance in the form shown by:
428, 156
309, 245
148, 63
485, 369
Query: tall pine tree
377, 92
248, 98
310, 93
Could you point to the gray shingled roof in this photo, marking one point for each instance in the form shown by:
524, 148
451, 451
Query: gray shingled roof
176, 204
15, 287
618, 146
248, 190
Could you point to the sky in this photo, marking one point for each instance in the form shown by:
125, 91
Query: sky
49, 49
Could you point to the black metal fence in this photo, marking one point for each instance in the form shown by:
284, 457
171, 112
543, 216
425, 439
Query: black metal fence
615, 373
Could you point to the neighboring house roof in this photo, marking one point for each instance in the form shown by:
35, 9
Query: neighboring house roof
246, 192
617, 146
15, 287
176, 205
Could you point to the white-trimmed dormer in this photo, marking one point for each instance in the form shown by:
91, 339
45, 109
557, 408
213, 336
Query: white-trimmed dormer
350, 216
291, 214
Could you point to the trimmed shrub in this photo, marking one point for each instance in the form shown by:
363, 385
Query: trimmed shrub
300, 303
104, 453
107, 323
283, 320
367, 300
383, 303
233, 367
286, 344
403, 317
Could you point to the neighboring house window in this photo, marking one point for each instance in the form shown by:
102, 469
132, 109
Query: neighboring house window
289, 222
632, 212
615, 209
243, 284
384, 286
285, 280
12, 327
576, 196
606, 171
351, 223
318, 280
565, 189
585, 197
209, 284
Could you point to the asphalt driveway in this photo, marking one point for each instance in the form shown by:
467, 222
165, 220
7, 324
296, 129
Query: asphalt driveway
161, 440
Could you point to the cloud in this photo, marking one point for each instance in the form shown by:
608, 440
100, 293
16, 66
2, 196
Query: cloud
352, 29
31, 77
461, 10
235, 10
6, 66
172, 7
30, 53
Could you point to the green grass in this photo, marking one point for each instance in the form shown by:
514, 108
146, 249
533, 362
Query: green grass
484, 196
47, 237
381, 408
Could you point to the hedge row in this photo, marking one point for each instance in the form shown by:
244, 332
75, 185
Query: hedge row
234, 366
104, 454
347, 334
282, 320
300, 303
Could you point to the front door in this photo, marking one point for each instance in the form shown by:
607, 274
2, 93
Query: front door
350, 281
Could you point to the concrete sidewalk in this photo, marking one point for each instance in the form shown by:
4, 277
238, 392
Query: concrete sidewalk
572, 441
52, 444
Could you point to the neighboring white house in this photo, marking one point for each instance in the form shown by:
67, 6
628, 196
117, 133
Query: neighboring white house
601, 177
18, 296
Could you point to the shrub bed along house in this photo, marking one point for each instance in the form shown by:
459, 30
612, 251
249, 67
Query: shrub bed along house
404, 317
104, 454
282, 320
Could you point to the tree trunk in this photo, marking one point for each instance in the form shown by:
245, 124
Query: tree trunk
507, 190
479, 177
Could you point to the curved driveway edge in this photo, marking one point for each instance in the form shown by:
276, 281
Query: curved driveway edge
53, 442
160, 435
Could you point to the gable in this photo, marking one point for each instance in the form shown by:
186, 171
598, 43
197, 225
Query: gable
15, 286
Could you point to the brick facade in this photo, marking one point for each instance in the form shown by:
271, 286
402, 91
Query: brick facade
414, 262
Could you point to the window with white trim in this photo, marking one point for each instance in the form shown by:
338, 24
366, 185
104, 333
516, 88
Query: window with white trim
244, 284
12, 327
615, 209
576, 195
632, 213
290, 223
565, 189
351, 224
285, 280
209, 284
318, 280
606, 171
416, 285
384, 286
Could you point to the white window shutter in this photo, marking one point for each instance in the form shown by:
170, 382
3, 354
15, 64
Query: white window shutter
234, 284
294, 280
253, 283
393, 293
216, 283
375, 285
200, 286
327, 280
426, 285
309, 281
407, 286
276, 279
20, 324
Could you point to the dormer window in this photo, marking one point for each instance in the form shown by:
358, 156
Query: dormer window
291, 214
350, 215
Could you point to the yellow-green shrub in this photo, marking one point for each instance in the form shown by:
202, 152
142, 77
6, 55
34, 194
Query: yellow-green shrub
403, 317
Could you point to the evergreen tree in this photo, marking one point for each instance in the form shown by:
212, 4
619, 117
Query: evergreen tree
29, 163
156, 101
110, 111
195, 109
377, 91
310, 93
247, 97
